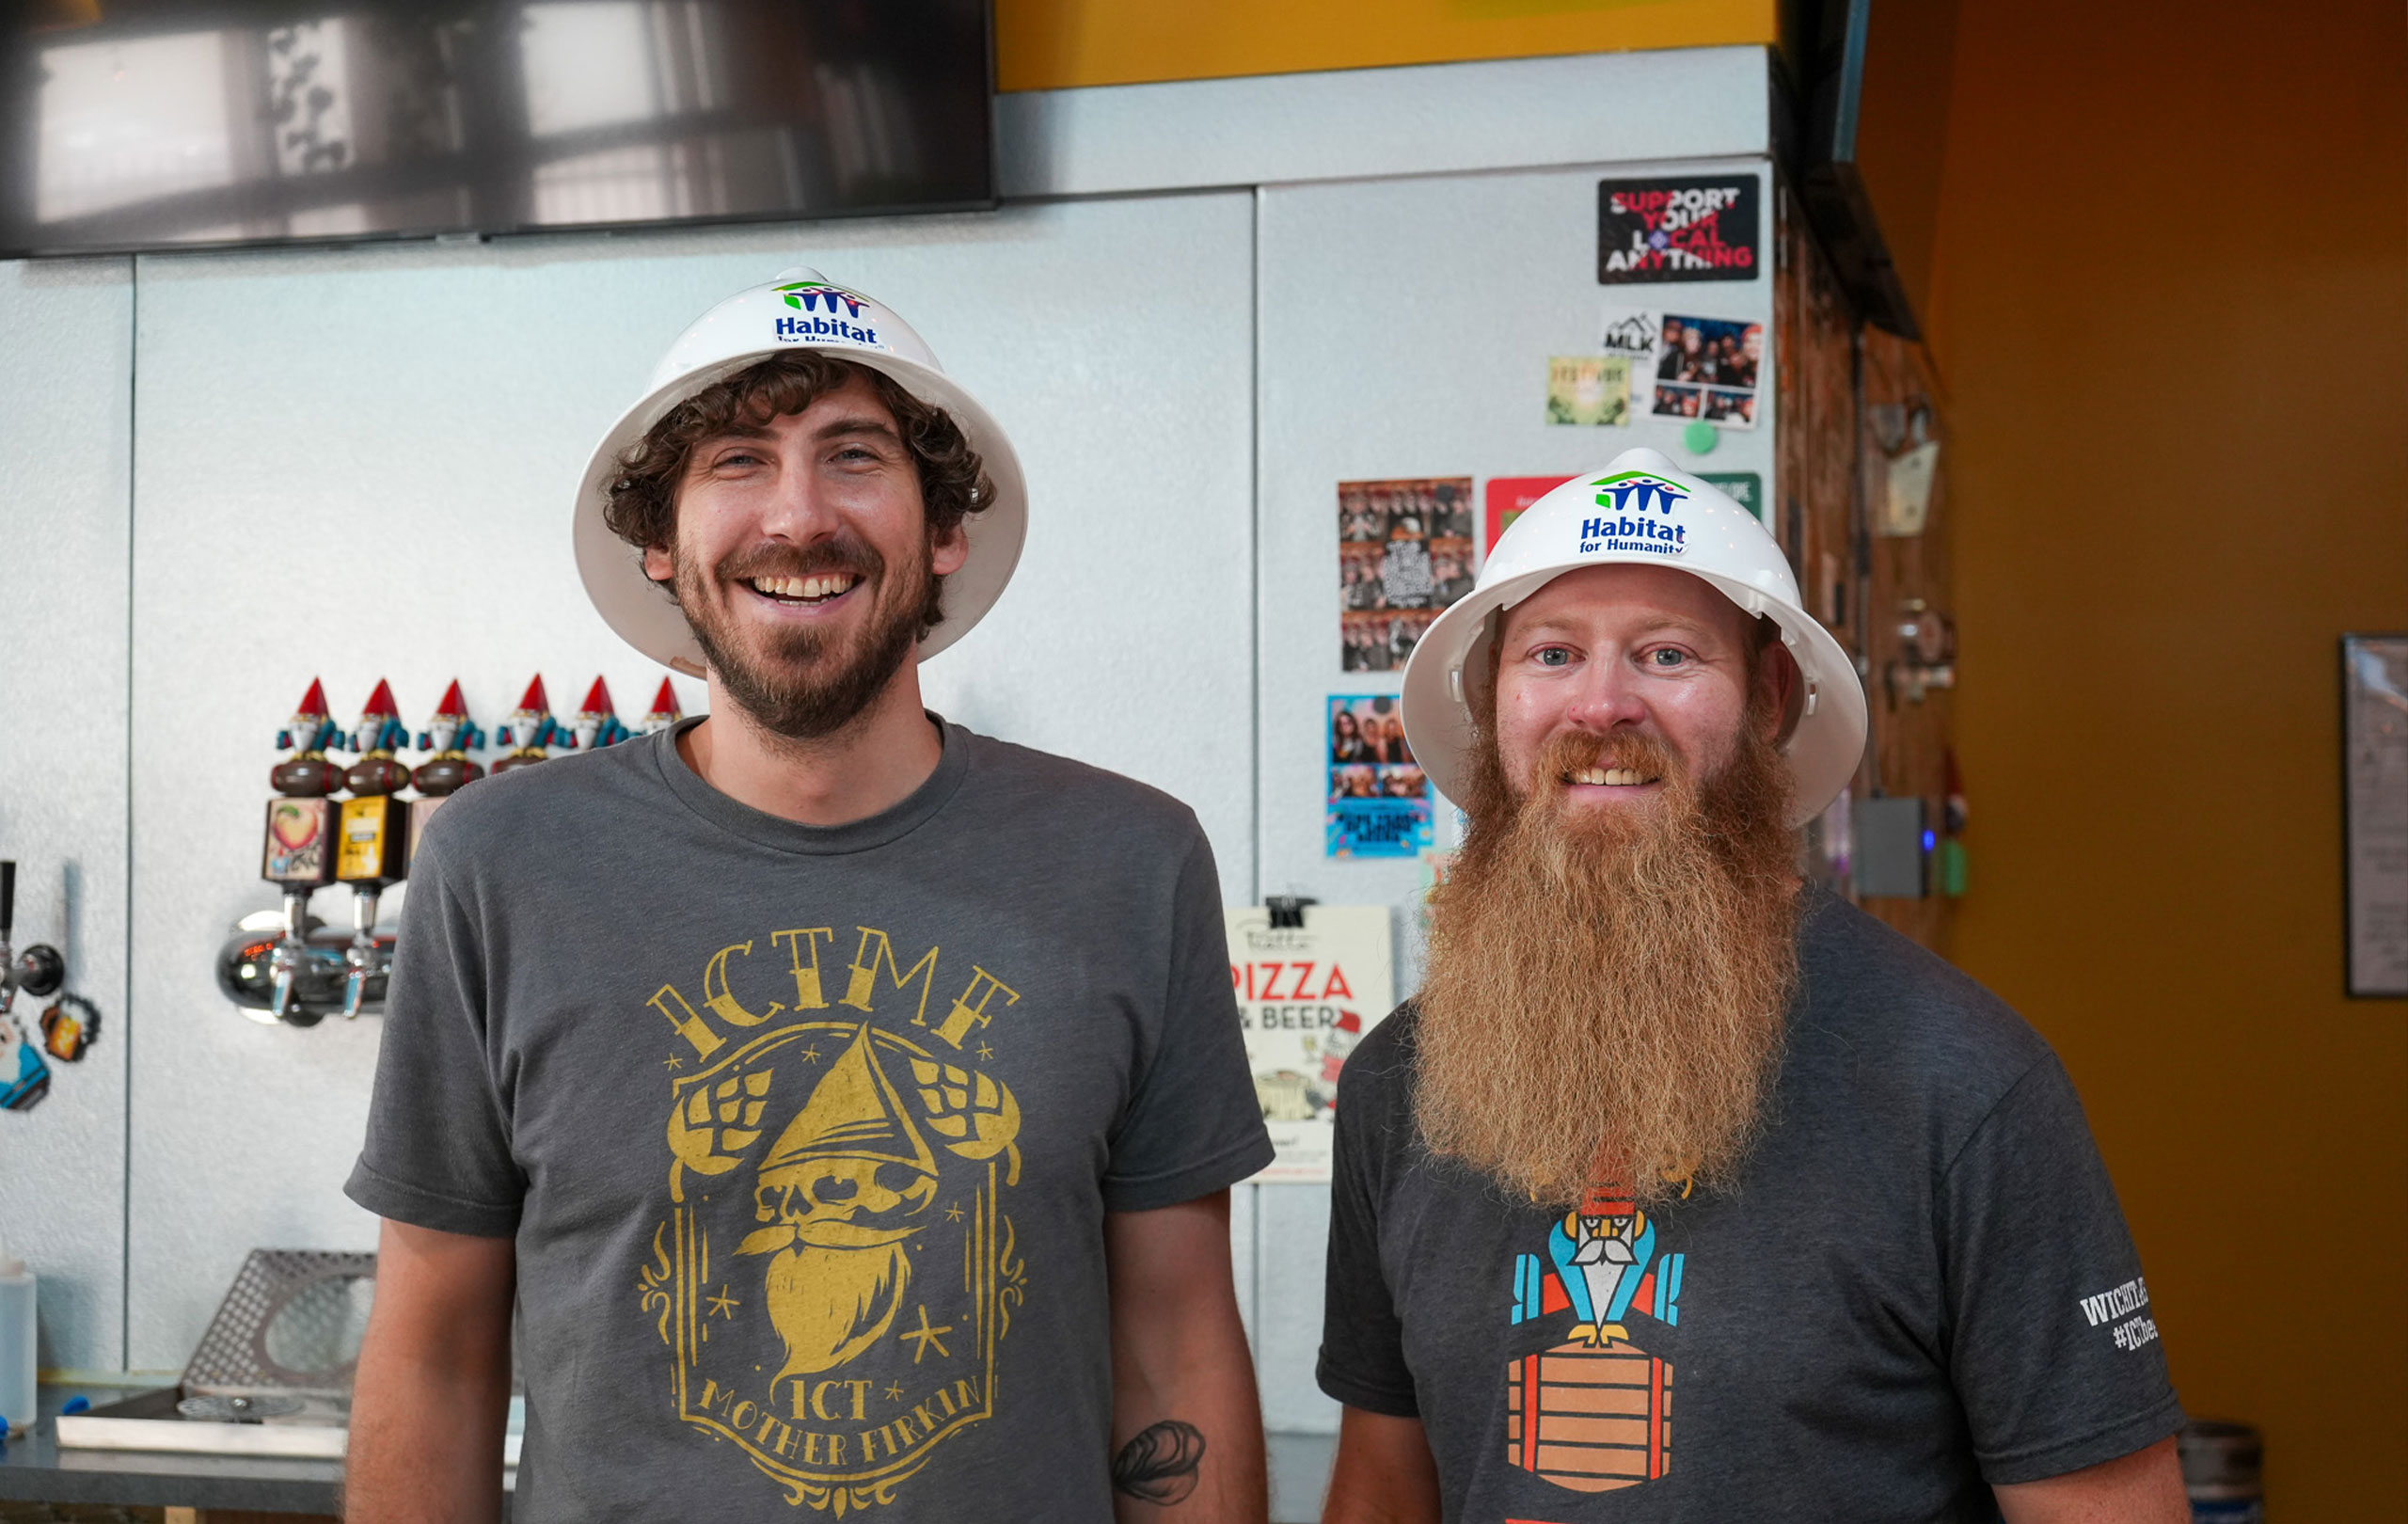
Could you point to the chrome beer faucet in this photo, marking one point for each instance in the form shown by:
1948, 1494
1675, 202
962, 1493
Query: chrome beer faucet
359, 959
284, 963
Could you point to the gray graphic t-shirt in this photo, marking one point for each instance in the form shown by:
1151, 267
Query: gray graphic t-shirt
806, 1136
1921, 1285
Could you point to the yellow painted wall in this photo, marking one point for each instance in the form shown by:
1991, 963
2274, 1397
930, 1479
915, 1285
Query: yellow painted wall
2174, 321
1050, 44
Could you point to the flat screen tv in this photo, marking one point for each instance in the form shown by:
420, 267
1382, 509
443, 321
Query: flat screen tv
161, 124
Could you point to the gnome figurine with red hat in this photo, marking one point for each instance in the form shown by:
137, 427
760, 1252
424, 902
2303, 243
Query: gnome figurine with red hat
529, 728
598, 723
379, 734
664, 711
307, 774
450, 735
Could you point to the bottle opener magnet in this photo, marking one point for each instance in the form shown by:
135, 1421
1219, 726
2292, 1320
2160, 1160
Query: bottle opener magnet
70, 1027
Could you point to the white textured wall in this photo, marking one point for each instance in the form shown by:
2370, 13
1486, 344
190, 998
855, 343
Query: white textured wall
65, 332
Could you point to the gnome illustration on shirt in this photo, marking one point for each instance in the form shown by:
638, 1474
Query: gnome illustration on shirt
840, 1187
1603, 1262
529, 728
597, 724
1600, 1250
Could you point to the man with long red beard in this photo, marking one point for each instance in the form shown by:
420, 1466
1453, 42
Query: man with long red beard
1682, 1189
855, 1130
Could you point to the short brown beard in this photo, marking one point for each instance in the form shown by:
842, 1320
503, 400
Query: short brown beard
804, 687
1606, 995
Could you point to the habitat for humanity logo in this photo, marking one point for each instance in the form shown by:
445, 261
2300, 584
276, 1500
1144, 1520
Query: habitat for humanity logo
1633, 496
814, 297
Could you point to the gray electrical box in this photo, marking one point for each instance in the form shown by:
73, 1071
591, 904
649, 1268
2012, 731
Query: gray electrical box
1889, 853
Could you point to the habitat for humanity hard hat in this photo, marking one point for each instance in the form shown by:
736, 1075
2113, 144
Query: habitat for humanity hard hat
1644, 510
800, 309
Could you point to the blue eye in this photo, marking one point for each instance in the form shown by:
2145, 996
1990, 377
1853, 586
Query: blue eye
1551, 656
1666, 655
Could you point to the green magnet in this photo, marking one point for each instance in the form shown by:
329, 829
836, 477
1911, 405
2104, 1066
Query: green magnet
1951, 868
1699, 438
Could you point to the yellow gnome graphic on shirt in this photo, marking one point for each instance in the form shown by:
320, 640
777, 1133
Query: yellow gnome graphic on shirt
836, 1269
842, 1186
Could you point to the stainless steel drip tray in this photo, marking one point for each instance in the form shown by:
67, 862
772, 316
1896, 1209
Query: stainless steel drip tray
173, 1419
272, 1375
154, 1421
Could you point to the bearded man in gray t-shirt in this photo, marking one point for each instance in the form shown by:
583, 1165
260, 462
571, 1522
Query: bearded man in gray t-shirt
854, 1132
1682, 1191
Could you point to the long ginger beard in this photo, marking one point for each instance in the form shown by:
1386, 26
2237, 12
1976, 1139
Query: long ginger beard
1605, 991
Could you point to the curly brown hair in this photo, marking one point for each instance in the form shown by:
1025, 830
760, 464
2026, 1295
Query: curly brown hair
643, 507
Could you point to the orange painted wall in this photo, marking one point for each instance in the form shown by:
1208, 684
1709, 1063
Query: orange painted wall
2174, 321
1050, 44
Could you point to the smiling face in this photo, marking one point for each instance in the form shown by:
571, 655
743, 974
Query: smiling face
1609, 678
802, 558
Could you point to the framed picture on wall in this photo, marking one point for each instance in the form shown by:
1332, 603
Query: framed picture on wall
2374, 812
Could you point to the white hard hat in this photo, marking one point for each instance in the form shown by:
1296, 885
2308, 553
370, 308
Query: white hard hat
1644, 510
800, 310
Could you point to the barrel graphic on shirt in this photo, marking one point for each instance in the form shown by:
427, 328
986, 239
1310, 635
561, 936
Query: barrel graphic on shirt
835, 1268
1591, 1418
1593, 1412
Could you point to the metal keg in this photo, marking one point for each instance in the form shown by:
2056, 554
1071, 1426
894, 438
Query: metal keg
2223, 1470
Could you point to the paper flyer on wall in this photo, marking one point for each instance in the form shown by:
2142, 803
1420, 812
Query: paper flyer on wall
1688, 229
1306, 995
1378, 803
1592, 390
1684, 365
1509, 498
1746, 489
1706, 367
1404, 552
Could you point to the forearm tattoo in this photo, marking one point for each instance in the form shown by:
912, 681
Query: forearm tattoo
1160, 1464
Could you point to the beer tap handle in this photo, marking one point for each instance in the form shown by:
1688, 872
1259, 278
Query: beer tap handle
284, 963
359, 959
8, 924
282, 966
